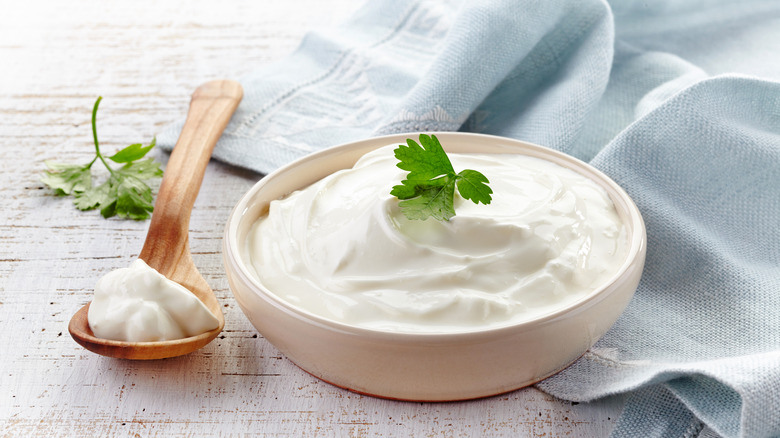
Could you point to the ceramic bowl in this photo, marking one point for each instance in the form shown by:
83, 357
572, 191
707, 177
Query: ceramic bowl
427, 367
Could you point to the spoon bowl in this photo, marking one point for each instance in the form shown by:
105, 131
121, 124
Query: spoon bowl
166, 247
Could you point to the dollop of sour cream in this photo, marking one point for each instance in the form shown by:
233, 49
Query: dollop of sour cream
343, 250
138, 304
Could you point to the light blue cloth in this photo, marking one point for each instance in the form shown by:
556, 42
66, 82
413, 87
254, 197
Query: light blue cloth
676, 100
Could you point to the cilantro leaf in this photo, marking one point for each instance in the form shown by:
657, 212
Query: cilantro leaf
429, 187
125, 192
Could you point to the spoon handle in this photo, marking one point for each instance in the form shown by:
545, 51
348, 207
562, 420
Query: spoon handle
212, 105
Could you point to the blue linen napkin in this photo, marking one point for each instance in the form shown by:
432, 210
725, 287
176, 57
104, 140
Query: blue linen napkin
678, 101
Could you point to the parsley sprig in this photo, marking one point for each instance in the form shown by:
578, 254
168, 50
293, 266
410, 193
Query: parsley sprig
429, 188
125, 192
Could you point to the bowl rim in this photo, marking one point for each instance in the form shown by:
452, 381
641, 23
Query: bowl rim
635, 253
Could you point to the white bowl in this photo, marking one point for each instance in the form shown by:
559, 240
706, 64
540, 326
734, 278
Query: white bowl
427, 367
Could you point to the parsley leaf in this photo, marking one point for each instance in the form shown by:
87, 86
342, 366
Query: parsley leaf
433, 201
142, 170
94, 197
429, 188
473, 185
124, 194
67, 179
423, 162
134, 199
132, 152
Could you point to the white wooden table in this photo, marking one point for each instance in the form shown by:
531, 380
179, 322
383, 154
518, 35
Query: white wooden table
145, 58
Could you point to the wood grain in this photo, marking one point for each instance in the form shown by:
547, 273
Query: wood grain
145, 58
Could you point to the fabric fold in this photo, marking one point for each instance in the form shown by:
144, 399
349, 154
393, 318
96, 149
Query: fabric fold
703, 169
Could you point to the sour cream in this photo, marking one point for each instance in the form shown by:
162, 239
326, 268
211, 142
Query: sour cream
138, 304
342, 249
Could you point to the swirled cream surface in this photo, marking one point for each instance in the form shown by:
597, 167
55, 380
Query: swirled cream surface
138, 304
342, 249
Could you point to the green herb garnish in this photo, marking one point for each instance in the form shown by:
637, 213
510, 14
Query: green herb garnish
429, 188
124, 194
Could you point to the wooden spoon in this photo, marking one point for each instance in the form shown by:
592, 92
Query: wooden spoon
166, 248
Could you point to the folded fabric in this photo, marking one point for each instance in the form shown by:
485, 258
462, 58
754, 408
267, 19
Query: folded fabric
675, 100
